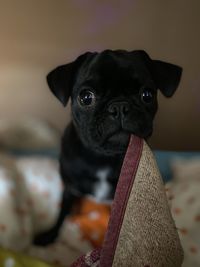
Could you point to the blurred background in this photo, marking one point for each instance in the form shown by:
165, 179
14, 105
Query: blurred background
38, 35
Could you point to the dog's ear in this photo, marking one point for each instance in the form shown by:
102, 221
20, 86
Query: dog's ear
167, 76
61, 79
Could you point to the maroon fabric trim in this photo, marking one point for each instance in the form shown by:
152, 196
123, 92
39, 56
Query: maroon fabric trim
93, 258
95, 255
124, 186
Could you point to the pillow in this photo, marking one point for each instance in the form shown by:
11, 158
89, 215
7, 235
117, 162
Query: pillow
186, 169
28, 134
165, 158
184, 198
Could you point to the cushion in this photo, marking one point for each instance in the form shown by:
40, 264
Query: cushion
184, 195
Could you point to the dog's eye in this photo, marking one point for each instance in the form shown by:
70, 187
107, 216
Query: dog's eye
86, 98
147, 96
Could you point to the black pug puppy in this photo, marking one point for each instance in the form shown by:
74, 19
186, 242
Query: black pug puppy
113, 94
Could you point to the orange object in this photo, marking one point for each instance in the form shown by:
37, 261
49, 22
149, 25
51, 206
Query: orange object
92, 220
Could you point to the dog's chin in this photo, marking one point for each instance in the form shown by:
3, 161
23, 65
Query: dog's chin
114, 144
118, 139
117, 142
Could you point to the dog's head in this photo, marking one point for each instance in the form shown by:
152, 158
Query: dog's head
113, 94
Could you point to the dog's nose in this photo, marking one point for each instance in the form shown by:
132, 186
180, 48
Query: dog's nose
118, 110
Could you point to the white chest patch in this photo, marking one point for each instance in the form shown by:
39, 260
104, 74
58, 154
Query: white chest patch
102, 187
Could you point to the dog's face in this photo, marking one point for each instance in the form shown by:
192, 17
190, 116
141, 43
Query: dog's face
113, 94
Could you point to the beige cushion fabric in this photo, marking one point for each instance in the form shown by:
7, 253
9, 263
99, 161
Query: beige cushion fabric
148, 235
